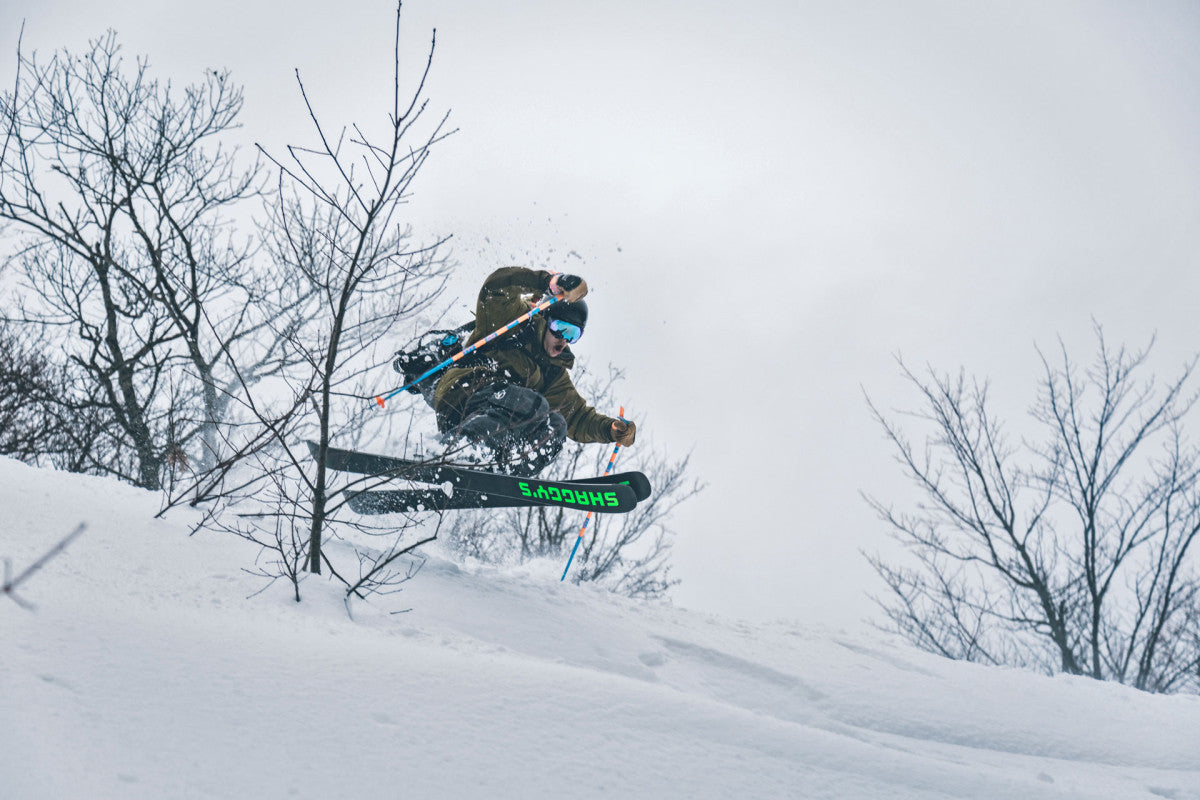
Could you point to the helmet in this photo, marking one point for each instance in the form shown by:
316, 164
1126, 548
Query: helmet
575, 313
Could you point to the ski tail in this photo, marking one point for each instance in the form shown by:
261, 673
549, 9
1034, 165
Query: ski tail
634, 480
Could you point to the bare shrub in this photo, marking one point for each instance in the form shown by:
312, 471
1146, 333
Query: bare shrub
335, 229
1070, 552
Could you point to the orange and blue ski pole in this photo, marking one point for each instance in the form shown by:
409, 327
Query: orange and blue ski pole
380, 400
611, 461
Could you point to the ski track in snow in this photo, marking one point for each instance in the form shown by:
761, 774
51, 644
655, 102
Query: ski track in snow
146, 670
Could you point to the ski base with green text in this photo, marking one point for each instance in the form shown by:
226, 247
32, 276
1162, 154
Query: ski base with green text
480, 489
395, 501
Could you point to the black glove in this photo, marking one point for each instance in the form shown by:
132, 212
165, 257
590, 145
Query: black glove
624, 433
568, 288
568, 282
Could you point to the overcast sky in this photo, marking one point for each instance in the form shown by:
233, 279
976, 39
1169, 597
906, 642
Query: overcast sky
770, 200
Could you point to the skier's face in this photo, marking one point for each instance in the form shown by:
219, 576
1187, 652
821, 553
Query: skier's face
553, 345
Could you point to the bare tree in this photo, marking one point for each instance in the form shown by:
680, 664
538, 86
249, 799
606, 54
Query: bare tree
336, 231
123, 193
1072, 552
627, 553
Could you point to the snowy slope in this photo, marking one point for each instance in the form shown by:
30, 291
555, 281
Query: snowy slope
147, 671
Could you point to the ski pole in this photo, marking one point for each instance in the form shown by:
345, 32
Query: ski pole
466, 351
588, 518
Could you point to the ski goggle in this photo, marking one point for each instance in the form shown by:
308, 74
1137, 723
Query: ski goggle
565, 330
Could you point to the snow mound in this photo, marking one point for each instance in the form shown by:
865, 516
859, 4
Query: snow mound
151, 666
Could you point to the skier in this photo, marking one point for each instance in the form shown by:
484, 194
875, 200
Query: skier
516, 398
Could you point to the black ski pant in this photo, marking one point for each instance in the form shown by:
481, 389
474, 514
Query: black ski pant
517, 425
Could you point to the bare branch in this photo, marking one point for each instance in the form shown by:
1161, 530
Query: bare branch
11, 584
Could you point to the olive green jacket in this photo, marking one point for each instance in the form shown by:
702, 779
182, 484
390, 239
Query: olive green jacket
517, 357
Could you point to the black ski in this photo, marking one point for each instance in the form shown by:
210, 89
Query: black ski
599, 496
393, 501
430, 472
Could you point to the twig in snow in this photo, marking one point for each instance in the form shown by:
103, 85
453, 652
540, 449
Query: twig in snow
10, 584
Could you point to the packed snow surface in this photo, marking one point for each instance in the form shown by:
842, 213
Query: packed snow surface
149, 668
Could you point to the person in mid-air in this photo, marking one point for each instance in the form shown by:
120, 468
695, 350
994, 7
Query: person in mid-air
515, 397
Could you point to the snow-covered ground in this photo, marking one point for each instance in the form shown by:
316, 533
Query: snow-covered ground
146, 670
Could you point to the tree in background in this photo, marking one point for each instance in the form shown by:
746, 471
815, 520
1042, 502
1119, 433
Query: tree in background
626, 553
122, 193
1073, 552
